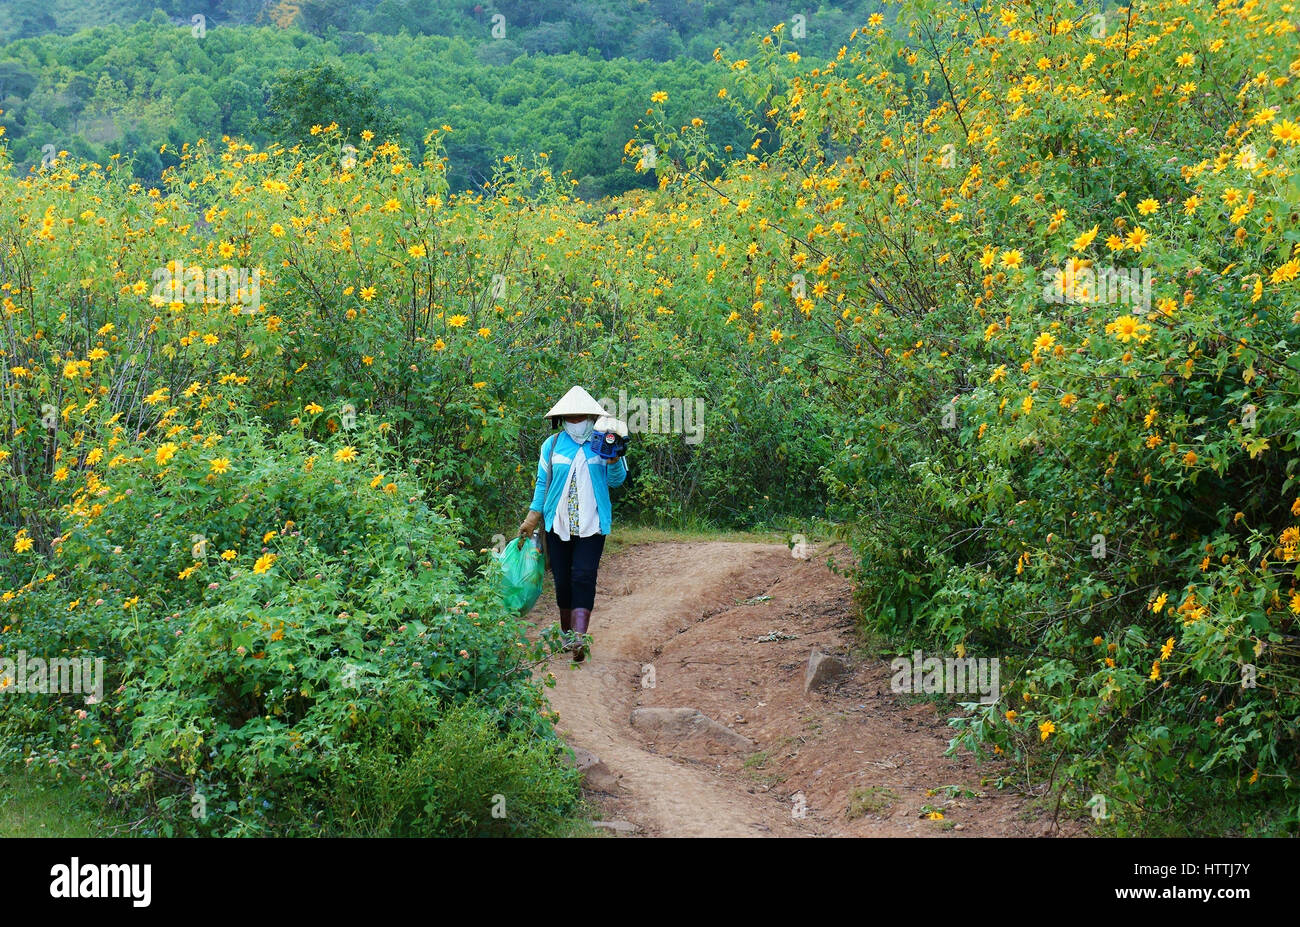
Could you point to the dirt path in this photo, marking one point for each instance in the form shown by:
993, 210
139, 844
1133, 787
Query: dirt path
677, 625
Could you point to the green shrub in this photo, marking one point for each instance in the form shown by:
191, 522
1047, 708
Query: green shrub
459, 775
260, 617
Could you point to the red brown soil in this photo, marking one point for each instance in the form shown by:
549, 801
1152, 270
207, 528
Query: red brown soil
694, 611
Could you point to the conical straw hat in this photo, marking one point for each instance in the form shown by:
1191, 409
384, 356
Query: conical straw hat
576, 401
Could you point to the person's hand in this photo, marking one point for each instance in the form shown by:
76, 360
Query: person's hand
530, 524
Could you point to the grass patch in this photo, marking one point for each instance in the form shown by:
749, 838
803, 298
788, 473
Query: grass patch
756, 768
30, 807
875, 799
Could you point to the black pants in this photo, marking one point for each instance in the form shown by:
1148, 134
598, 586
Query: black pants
573, 564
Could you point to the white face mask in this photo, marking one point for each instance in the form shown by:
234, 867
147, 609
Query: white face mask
579, 431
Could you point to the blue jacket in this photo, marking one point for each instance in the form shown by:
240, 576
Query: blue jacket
604, 474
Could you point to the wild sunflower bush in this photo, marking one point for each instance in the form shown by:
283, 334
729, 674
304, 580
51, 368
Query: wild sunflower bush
267, 607
1043, 259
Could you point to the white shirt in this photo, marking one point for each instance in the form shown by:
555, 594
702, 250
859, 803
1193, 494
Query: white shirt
588, 516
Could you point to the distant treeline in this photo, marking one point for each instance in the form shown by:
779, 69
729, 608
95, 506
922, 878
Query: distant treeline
145, 76
657, 30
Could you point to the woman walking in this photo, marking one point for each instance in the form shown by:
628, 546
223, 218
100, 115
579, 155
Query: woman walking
571, 501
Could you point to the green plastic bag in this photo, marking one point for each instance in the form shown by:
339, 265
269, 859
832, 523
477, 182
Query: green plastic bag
522, 567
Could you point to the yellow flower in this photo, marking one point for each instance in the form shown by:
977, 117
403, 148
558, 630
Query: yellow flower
219, 464
658, 97
266, 538
456, 321
263, 563
999, 373
346, 454
1137, 239
1126, 328
1287, 132
314, 409
1148, 206
1155, 671
1159, 603
1285, 273
165, 453
1046, 729
1012, 259
22, 543
416, 251
228, 555
484, 332
1167, 649
1085, 239
1044, 341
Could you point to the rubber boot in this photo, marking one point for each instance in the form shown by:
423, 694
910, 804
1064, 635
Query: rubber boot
581, 617
566, 626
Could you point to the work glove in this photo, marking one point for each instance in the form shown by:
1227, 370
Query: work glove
530, 524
